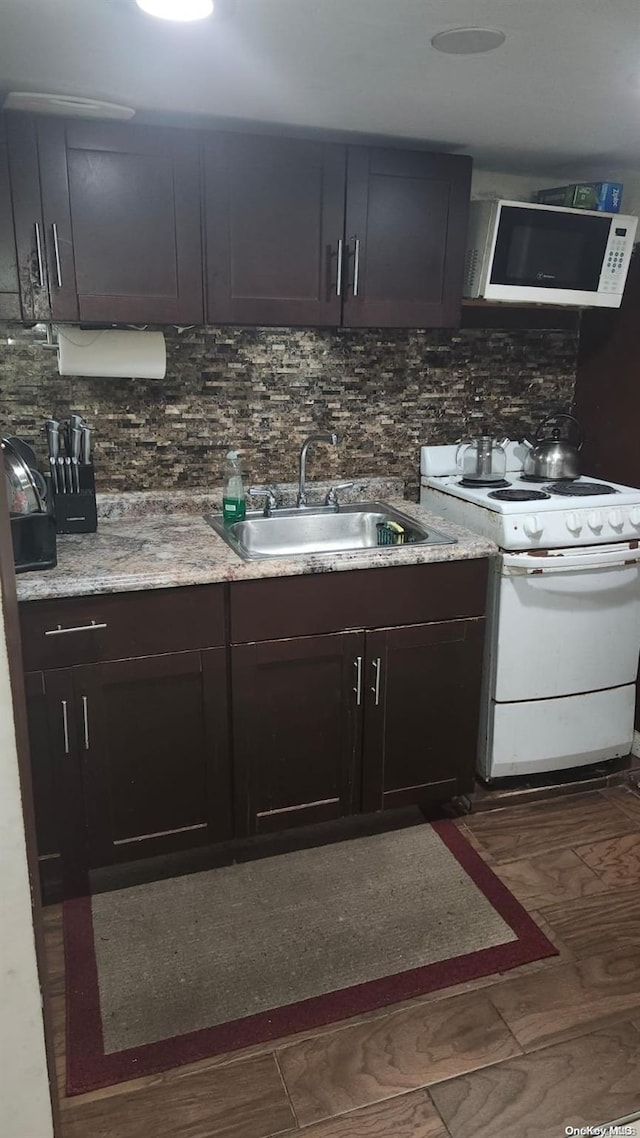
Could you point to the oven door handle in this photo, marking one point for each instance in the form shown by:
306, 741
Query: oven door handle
558, 561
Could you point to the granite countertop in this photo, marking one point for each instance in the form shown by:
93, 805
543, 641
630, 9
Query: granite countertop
158, 540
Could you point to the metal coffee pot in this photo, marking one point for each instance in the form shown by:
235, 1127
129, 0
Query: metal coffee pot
552, 457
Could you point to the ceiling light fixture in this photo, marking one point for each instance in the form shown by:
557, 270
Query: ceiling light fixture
467, 41
179, 10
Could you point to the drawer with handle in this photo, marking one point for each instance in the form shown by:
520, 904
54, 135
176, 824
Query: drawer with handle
117, 626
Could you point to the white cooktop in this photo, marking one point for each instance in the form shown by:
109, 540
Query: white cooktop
541, 495
552, 521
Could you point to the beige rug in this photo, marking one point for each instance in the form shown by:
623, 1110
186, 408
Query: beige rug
179, 970
179, 955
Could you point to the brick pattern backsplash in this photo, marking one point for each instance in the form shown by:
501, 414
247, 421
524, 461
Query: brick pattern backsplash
261, 390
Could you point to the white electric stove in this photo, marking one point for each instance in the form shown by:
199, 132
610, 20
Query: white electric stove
563, 627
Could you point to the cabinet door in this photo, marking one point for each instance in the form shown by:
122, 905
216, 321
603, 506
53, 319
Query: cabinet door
274, 214
405, 230
42, 748
421, 713
9, 287
296, 725
154, 739
122, 221
27, 217
57, 785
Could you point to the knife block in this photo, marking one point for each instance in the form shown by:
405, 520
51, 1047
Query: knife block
77, 513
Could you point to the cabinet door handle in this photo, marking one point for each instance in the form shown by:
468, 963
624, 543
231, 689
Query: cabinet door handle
39, 255
60, 631
377, 667
65, 726
357, 663
339, 275
85, 721
356, 267
56, 253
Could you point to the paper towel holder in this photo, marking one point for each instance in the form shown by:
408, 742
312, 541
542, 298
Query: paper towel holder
50, 344
111, 352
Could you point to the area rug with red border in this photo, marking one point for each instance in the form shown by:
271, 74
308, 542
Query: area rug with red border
179, 970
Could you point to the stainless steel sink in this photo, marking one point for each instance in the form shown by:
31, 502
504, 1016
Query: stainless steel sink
322, 529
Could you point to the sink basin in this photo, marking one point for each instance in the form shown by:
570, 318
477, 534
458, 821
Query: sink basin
322, 529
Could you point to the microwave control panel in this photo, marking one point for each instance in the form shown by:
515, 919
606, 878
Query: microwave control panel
617, 257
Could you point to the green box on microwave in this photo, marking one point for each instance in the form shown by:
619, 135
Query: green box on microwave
603, 196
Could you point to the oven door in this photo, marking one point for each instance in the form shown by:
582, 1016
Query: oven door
565, 622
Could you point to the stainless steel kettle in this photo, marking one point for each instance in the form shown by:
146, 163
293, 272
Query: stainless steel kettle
553, 458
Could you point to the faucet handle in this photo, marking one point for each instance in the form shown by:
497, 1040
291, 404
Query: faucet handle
271, 499
332, 496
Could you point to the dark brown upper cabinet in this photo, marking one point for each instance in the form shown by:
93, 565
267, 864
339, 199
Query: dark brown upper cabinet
27, 217
406, 224
274, 218
311, 233
108, 228
107, 221
9, 284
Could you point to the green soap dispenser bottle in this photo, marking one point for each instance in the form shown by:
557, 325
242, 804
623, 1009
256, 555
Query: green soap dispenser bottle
233, 503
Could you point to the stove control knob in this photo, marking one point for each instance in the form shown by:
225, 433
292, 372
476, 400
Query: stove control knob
574, 522
616, 519
595, 520
634, 516
532, 526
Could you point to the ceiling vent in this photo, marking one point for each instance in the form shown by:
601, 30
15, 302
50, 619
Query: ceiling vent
467, 41
73, 106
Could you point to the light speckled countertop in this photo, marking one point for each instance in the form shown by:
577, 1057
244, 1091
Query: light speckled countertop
159, 540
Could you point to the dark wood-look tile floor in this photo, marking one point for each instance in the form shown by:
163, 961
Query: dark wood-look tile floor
551, 1044
588, 1081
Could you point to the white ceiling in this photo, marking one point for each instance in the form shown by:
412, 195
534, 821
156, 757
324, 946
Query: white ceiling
563, 91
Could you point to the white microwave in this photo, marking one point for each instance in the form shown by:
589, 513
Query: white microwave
545, 254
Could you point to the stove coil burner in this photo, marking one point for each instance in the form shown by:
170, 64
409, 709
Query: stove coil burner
482, 483
580, 489
535, 478
518, 495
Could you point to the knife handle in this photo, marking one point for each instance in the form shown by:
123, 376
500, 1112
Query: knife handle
85, 451
54, 474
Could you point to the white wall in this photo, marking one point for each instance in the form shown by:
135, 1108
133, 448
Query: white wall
25, 1107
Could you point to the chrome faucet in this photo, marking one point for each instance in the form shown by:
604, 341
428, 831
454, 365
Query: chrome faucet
271, 499
321, 437
332, 495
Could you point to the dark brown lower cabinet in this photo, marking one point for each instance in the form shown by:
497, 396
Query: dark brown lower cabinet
57, 782
421, 712
294, 721
130, 758
296, 730
153, 739
331, 725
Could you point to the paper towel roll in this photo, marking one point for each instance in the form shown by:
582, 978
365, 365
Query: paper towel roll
139, 355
